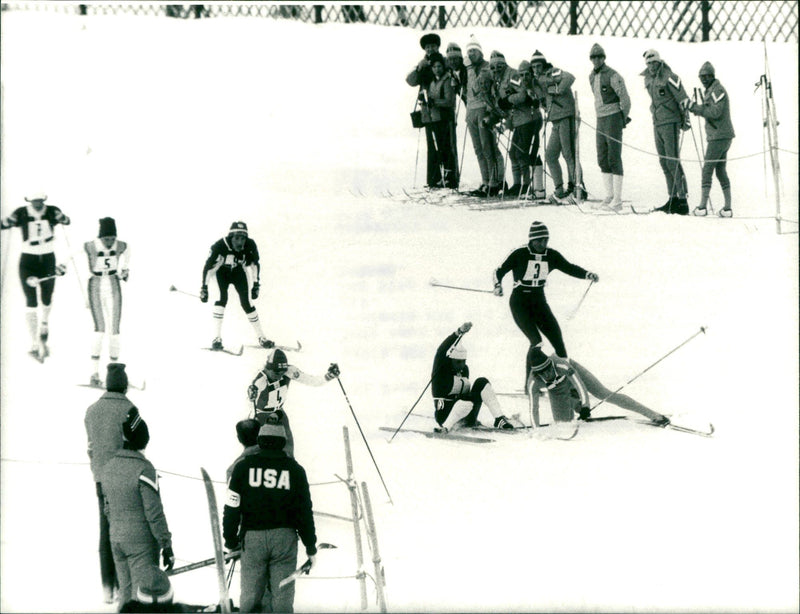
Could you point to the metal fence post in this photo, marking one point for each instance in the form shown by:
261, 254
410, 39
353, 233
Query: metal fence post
705, 7
573, 16
442, 17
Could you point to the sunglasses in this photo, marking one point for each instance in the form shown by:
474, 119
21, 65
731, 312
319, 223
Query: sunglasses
596, 57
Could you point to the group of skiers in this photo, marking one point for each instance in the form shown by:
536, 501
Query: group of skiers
458, 400
498, 98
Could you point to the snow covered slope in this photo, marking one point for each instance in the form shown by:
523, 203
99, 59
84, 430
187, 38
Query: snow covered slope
177, 128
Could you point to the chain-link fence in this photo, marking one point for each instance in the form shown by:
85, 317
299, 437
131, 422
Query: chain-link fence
683, 20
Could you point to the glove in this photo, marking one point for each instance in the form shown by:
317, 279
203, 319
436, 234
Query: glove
498, 290
204, 294
694, 108
230, 548
123, 274
61, 270
252, 392
309, 564
168, 557
684, 104
593, 276
625, 120
422, 98
686, 122
464, 328
254, 292
333, 372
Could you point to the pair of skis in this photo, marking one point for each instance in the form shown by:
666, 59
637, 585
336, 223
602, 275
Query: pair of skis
239, 349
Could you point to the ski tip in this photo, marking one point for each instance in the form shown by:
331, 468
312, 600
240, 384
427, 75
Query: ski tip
204, 473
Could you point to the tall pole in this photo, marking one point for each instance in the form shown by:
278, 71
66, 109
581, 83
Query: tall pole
352, 487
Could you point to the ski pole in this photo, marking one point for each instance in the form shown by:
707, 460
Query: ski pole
374, 462
677, 166
580, 302
635, 377
77, 275
205, 563
174, 289
34, 281
437, 284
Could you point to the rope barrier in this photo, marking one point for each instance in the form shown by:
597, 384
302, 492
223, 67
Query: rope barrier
159, 471
656, 155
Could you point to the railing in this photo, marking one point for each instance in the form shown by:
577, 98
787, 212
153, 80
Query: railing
682, 20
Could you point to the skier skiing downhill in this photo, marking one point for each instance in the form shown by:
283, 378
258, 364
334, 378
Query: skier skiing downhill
456, 399
568, 385
271, 385
231, 258
37, 263
530, 266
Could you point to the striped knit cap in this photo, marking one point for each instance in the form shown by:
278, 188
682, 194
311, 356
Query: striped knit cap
496, 59
453, 51
538, 231
538, 56
539, 360
474, 44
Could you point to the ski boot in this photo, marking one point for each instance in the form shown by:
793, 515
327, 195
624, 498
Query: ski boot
661, 421
442, 430
216, 344
667, 206
726, 212
95, 381
265, 343
585, 413
700, 211
680, 207
503, 423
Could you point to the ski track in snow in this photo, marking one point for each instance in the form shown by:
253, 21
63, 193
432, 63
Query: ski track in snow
298, 130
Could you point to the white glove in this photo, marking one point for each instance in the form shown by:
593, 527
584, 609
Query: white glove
123, 274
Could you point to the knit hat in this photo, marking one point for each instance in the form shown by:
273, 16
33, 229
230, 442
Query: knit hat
238, 227
36, 196
706, 69
430, 38
496, 59
524, 66
458, 352
474, 44
538, 231
272, 434
155, 587
135, 433
116, 378
597, 50
538, 57
247, 432
108, 228
538, 360
454, 51
651, 55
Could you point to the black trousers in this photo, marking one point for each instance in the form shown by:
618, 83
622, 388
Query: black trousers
37, 265
236, 276
534, 318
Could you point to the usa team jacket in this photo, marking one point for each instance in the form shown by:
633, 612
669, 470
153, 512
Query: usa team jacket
530, 270
269, 490
133, 501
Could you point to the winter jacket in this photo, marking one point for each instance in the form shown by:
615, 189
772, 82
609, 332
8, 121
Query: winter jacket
667, 96
557, 85
133, 500
103, 424
717, 111
610, 94
446, 382
420, 77
524, 105
269, 490
442, 99
248, 451
479, 83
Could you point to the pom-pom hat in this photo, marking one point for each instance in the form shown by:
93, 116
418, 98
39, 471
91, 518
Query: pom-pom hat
538, 231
